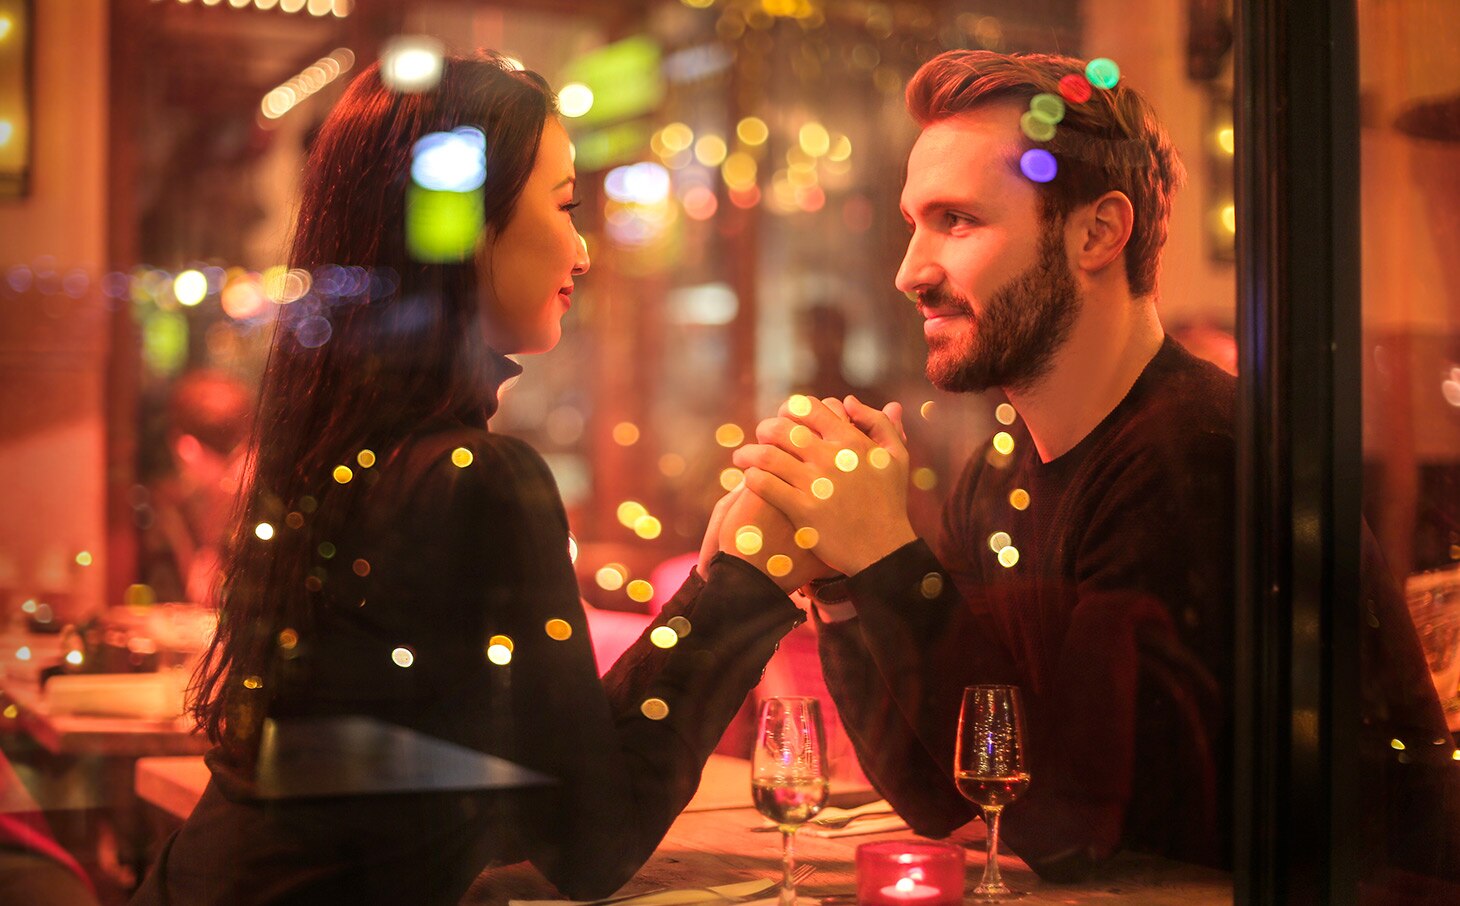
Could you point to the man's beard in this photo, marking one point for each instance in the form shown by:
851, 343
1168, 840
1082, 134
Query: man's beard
1015, 338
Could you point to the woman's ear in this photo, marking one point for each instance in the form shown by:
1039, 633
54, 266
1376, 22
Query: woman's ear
1101, 230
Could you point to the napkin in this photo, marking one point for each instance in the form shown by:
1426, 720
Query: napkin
678, 897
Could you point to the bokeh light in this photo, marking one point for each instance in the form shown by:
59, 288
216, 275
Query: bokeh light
1038, 165
575, 99
1102, 72
411, 64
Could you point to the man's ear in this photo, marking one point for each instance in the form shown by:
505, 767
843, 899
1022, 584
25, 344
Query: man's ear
1101, 230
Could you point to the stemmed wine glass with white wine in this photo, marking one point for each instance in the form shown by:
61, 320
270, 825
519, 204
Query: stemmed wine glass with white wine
989, 768
787, 774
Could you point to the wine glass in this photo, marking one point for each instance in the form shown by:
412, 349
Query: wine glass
787, 776
989, 767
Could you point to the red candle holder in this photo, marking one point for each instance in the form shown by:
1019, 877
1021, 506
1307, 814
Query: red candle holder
909, 873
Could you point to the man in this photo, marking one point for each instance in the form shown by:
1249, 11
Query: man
1091, 563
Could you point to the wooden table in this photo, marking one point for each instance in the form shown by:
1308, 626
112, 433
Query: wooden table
719, 847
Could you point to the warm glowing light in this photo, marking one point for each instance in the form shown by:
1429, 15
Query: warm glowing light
846, 460
807, 537
647, 527
264, 531
1229, 218
611, 577
671, 465
998, 541
630, 512
7, 130
676, 137
190, 287
252, 682
729, 435
799, 405
654, 708
679, 625
74, 658
710, 150
572, 548
1004, 442
575, 99
664, 637
641, 591
1008, 557
814, 139
504, 641
366, 458
1005, 414
500, 655
801, 436
926, 409
411, 64
288, 639
924, 479
749, 540
730, 478
1019, 499
779, 565
461, 457
1397, 745
6, 24
822, 488
342, 474
752, 130
1227, 140
879, 458
841, 149
739, 171
626, 434
558, 630
361, 567
83, 558
931, 586
11, 712
700, 203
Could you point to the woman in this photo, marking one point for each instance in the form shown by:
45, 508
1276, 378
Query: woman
403, 539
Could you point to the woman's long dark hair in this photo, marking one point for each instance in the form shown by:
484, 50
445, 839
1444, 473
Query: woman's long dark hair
380, 346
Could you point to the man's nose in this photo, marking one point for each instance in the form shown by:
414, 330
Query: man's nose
919, 269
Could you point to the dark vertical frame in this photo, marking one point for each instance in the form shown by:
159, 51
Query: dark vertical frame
1299, 466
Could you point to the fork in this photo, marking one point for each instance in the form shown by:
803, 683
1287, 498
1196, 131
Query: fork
799, 874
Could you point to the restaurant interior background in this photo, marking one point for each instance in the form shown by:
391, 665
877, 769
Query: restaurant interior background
740, 165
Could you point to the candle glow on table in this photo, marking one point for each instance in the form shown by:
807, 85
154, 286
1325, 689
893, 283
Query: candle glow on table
909, 873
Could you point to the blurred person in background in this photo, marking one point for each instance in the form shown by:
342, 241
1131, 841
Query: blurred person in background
209, 414
398, 561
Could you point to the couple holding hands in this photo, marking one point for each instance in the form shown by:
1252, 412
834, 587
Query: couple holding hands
393, 587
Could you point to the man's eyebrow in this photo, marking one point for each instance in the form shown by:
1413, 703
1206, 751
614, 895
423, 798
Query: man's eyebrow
570, 179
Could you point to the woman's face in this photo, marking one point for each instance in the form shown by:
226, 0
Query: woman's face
525, 272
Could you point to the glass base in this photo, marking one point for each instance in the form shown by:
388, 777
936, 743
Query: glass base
982, 894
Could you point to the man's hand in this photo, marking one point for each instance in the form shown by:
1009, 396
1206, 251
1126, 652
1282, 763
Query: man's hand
749, 528
826, 474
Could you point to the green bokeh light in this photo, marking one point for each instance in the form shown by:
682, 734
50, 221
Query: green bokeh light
442, 227
1102, 72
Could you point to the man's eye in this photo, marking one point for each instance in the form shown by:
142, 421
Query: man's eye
959, 220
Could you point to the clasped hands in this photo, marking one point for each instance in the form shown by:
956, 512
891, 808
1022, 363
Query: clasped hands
825, 492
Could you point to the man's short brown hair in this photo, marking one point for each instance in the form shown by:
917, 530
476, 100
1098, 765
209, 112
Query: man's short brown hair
1112, 141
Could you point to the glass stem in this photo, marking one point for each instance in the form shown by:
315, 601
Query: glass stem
992, 881
788, 857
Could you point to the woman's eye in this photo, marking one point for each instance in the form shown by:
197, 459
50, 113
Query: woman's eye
570, 206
